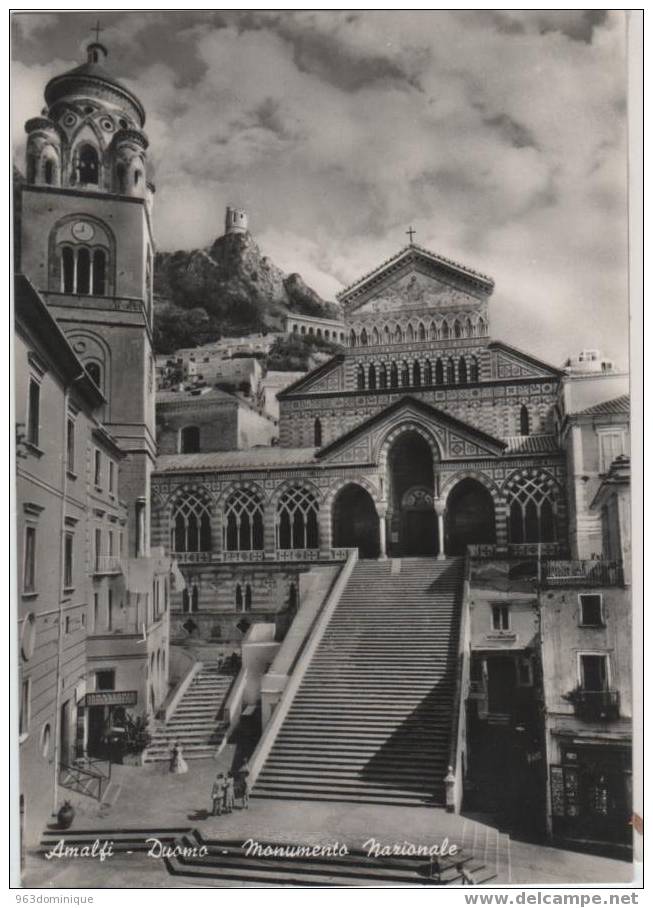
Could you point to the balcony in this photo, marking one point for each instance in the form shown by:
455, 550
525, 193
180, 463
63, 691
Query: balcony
259, 555
107, 564
595, 705
583, 573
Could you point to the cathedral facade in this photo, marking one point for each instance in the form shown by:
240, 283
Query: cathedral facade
423, 436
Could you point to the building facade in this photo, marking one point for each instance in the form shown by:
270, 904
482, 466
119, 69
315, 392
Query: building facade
94, 615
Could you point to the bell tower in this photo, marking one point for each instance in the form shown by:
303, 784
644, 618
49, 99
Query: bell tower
87, 246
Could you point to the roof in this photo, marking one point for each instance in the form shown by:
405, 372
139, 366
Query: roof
409, 253
36, 319
615, 407
531, 444
311, 376
93, 72
250, 459
508, 348
190, 397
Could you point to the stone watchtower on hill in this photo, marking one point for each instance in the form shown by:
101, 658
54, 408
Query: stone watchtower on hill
235, 221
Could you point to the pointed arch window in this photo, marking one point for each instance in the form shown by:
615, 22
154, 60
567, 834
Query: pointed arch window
457, 329
375, 336
469, 328
383, 376
473, 369
524, 421
360, 378
532, 509
191, 524
422, 332
405, 375
445, 331
352, 337
297, 519
451, 372
317, 432
363, 338
243, 521
394, 376
371, 377
433, 332
410, 334
439, 372
462, 370
428, 373
398, 334
482, 327
417, 374
89, 166
386, 335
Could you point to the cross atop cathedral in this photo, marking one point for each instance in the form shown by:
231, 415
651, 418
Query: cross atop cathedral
411, 233
96, 28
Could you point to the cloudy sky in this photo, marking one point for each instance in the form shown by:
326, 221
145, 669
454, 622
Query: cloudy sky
500, 136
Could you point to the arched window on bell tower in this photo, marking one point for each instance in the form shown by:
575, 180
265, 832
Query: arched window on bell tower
88, 168
317, 433
524, 421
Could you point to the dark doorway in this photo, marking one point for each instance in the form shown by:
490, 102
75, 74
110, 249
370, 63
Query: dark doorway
501, 682
96, 731
355, 521
470, 517
64, 734
413, 524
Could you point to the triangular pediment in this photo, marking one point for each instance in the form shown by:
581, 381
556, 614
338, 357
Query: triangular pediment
455, 439
329, 376
508, 362
416, 279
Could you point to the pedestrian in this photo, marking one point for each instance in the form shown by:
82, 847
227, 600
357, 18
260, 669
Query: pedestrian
177, 763
228, 800
217, 795
242, 778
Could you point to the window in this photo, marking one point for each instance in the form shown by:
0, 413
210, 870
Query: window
84, 269
591, 609
383, 376
105, 679
98, 547
473, 369
394, 376
70, 445
248, 597
297, 525
363, 338
95, 374
33, 412
239, 598
360, 378
25, 697
439, 372
532, 508
97, 468
185, 601
191, 523
195, 598
29, 562
66, 626
88, 167
524, 672
110, 610
68, 561
593, 672
96, 610
110, 551
524, 421
428, 373
317, 433
46, 736
500, 618
462, 370
611, 445
112, 477
371, 377
417, 374
190, 440
451, 372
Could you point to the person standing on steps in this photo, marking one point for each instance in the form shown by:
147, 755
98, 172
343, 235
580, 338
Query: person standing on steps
217, 794
242, 781
229, 794
177, 763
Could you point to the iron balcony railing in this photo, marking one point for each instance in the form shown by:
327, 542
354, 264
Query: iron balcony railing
596, 704
107, 564
583, 573
257, 555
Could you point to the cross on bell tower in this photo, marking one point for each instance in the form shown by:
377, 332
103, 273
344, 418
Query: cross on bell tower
96, 28
411, 233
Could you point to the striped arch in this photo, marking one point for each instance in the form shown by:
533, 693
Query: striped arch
300, 482
383, 445
452, 481
236, 486
341, 482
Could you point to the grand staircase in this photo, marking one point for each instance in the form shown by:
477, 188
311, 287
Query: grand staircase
194, 724
371, 720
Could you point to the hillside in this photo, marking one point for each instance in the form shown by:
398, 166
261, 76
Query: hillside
230, 288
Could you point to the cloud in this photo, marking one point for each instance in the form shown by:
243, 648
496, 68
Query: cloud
500, 135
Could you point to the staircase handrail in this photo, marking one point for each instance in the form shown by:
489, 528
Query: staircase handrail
299, 668
458, 727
